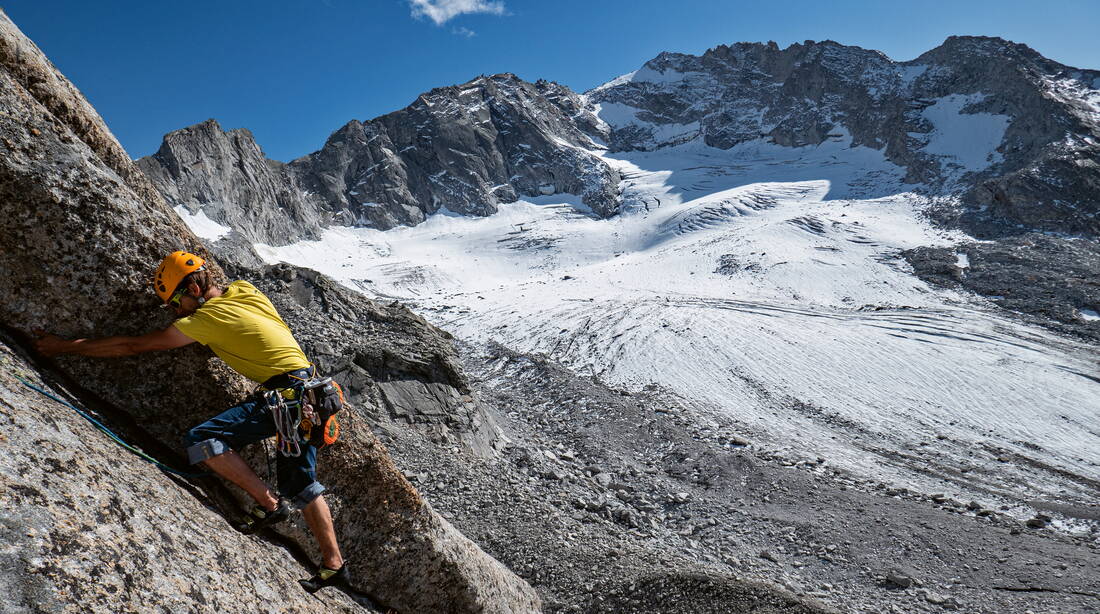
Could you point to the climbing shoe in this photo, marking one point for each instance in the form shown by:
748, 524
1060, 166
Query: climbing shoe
259, 518
326, 577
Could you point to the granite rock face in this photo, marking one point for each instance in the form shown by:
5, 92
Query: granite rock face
1033, 124
85, 229
89, 527
82, 222
465, 148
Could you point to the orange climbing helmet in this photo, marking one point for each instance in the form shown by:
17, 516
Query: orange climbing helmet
172, 270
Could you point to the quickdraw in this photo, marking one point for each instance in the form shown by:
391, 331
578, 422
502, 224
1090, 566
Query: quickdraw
287, 414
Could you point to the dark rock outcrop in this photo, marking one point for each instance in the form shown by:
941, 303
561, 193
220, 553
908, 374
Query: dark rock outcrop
84, 231
401, 370
1042, 276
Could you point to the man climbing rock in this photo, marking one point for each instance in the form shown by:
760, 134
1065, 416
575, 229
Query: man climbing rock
243, 328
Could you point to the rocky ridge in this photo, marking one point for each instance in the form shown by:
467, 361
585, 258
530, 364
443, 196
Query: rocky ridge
465, 148
226, 176
1042, 116
470, 147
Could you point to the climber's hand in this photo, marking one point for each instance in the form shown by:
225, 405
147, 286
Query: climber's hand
50, 345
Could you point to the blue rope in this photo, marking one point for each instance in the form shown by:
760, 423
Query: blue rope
110, 433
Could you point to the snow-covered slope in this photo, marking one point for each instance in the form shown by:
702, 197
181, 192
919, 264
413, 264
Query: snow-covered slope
764, 283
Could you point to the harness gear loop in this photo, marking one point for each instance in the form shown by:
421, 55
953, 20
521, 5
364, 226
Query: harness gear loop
287, 415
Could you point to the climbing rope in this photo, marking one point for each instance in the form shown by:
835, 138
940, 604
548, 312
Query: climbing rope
110, 433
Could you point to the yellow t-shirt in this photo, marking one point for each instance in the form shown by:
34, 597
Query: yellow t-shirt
244, 330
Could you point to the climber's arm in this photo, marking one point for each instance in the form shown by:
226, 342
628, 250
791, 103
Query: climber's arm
110, 347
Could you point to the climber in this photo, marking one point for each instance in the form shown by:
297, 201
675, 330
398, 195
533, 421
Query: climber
243, 328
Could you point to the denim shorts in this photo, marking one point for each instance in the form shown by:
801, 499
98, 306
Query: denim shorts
248, 422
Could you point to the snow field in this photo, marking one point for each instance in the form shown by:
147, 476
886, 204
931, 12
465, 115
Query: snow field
965, 142
201, 225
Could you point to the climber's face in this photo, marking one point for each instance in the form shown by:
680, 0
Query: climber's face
184, 301
176, 297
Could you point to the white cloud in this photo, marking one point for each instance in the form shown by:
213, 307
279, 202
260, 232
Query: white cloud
442, 11
461, 31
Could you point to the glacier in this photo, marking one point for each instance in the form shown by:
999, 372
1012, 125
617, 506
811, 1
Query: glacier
762, 283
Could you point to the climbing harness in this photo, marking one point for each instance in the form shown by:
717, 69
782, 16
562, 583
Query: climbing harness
305, 412
110, 433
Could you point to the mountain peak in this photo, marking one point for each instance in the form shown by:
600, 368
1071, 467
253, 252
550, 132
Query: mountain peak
207, 129
495, 138
967, 47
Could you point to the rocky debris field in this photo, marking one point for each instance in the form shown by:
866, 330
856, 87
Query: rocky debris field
616, 501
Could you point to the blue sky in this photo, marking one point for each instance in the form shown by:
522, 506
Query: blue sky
293, 71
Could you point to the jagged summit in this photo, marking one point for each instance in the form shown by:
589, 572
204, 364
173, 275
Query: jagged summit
987, 45
209, 127
990, 46
465, 148
1000, 59
225, 176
